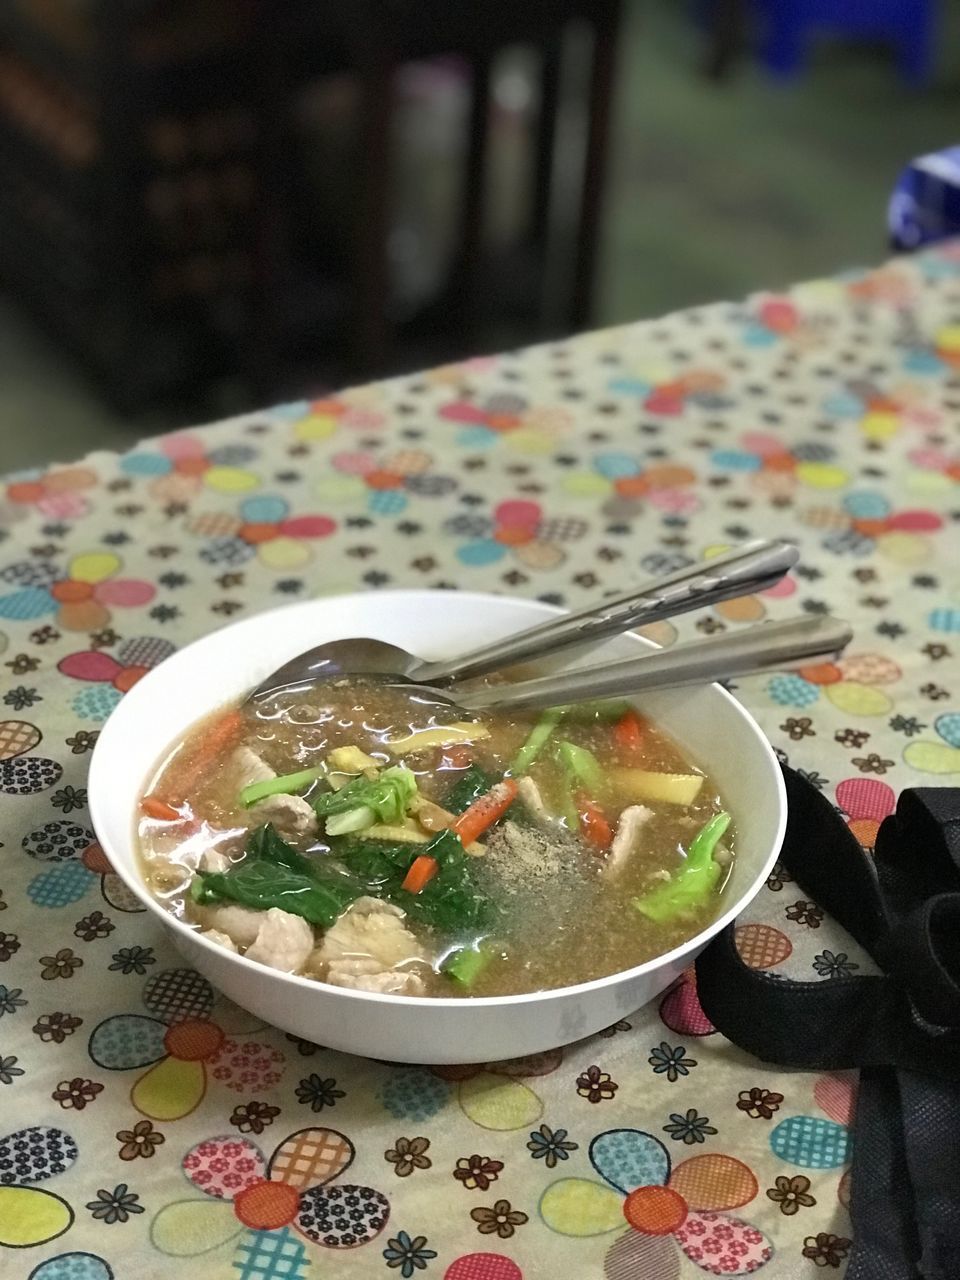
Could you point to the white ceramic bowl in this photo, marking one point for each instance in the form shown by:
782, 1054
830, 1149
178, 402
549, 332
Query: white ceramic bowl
717, 732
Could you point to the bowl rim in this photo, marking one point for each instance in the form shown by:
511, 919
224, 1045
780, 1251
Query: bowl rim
127, 870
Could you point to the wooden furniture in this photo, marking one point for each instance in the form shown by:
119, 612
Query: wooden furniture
129, 140
148, 214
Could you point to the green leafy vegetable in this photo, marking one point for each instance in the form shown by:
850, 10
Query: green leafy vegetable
472, 783
268, 845
363, 802
262, 886
288, 783
466, 965
275, 875
692, 885
375, 864
475, 782
449, 903
536, 740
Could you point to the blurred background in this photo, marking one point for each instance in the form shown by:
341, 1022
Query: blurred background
210, 205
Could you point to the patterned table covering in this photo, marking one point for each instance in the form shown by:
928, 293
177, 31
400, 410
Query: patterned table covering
151, 1122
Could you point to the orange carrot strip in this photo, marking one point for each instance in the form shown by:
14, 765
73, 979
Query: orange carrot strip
485, 811
628, 734
218, 738
594, 827
153, 807
421, 871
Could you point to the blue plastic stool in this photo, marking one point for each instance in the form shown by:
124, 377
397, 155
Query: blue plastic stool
908, 25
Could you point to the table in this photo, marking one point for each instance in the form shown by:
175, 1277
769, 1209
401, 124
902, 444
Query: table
825, 415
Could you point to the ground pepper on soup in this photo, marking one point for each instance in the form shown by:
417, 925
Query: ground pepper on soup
361, 836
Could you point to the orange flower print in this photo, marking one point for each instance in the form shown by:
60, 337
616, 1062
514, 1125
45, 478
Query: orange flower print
81, 599
268, 1208
264, 530
519, 527
182, 1048
506, 416
316, 420
670, 396
387, 483
57, 494
667, 1207
181, 466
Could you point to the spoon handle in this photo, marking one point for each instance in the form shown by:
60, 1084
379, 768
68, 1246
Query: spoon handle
770, 645
751, 567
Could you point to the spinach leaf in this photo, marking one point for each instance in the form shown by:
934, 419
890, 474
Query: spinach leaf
275, 875
452, 909
377, 864
267, 845
475, 782
261, 885
449, 903
471, 785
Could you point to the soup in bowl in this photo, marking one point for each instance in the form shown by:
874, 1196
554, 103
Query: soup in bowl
390, 876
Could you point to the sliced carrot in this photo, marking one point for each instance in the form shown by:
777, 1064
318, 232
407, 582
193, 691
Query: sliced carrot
421, 871
217, 739
154, 807
628, 735
484, 811
594, 827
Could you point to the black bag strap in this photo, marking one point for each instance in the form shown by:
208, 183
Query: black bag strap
902, 905
902, 1027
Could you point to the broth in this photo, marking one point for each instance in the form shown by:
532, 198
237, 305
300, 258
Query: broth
590, 870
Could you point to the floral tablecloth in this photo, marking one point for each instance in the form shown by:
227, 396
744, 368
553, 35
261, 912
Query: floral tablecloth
150, 1122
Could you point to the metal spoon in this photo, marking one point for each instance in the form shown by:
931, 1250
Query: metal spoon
751, 567
768, 646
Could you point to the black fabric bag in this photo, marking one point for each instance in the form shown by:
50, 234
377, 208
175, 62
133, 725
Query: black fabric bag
901, 1027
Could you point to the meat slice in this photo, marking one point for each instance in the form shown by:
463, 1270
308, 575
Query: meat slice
397, 982
250, 767
365, 948
283, 941
240, 924
292, 816
221, 939
632, 821
212, 860
529, 793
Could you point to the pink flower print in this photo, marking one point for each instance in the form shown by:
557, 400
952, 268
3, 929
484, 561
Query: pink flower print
58, 494
660, 1203
81, 600
670, 397
776, 471
181, 466
386, 483
271, 1204
264, 529
517, 527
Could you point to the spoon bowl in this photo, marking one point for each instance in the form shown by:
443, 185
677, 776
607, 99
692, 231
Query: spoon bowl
755, 566
358, 656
